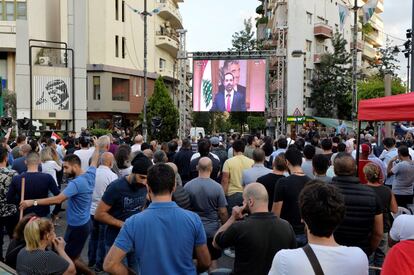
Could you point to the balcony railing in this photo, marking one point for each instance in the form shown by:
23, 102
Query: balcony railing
322, 30
169, 11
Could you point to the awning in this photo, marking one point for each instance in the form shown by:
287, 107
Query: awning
389, 108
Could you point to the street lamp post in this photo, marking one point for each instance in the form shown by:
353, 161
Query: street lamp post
412, 48
355, 65
144, 122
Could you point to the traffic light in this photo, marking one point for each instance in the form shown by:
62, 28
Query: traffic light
25, 124
156, 123
117, 121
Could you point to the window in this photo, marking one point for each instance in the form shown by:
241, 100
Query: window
1, 11
120, 89
96, 88
123, 11
10, 9
123, 46
116, 10
116, 46
21, 10
162, 64
308, 46
308, 74
309, 18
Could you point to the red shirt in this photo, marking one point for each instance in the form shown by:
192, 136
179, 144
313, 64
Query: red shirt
399, 260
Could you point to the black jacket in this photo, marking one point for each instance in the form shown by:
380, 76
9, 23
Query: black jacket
361, 207
182, 159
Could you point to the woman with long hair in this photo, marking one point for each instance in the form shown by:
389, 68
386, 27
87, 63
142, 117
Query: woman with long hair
50, 162
35, 258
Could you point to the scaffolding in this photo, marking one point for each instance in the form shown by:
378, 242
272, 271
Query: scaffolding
182, 86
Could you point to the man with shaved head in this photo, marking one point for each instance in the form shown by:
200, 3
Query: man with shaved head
363, 222
209, 202
104, 176
138, 140
256, 237
19, 164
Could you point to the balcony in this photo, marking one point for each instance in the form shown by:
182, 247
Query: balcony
8, 35
377, 22
380, 6
374, 38
360, 45
167, 42
369, 52
169, 12
322, 30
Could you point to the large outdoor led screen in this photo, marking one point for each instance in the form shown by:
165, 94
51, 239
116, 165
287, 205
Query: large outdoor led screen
229, 85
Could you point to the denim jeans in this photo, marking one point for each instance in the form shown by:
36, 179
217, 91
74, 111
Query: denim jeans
96, 247
377, 258
235, 199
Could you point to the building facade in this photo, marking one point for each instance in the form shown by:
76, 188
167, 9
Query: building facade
110, 47
307, 26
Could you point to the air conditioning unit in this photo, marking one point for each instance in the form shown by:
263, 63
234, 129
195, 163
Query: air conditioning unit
44, 60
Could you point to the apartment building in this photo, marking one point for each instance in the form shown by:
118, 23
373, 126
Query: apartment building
109, 44
308, 26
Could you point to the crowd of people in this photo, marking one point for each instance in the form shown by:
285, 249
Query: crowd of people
301, 204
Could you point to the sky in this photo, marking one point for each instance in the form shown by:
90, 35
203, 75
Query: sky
211, 23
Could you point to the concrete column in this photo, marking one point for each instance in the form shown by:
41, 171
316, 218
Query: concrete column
22, 69
77, 37
11, 70
387, 84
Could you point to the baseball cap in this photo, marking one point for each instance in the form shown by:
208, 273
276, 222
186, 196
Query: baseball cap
215, 141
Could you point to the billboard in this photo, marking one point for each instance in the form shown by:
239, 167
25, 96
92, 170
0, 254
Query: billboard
229, 85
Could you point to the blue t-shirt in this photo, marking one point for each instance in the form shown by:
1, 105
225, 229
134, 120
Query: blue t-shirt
125, 201
163, 231
79, 191
37, 186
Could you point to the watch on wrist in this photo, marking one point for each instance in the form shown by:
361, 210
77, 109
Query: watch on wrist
34, 202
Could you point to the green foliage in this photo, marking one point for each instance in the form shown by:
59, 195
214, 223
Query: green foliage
374, 88
202, 119
260, 9
367, 28
387, 63
99, 132
244, 40
332, 82
9, 103
256, 123
160, 104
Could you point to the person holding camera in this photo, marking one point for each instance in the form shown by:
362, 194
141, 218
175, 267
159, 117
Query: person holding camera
35, 258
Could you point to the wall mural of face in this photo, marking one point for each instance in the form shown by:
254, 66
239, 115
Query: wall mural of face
57, 92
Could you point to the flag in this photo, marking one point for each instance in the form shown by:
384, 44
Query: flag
55, 136
369, 9
343, 15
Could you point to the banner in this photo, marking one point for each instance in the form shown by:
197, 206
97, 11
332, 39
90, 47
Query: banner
369, 9
343, 15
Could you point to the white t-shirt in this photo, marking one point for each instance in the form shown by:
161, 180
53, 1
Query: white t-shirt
338, 260
403, 228
135, 148
85, 155
51, 167
104, 176
197, 155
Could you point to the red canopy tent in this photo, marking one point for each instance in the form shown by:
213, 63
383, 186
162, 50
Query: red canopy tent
389, 108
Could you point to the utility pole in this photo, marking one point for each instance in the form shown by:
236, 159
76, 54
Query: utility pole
355, 65
412, 49
144, 122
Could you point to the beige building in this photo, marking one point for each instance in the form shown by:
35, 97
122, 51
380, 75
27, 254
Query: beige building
116, 54
113, 49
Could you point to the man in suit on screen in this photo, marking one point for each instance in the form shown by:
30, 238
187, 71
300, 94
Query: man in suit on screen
228, 100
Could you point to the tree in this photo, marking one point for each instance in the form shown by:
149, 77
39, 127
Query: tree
332, 82
373, 87
387, 63
256, 123
244, 40
202, 119
9, 104
161, 105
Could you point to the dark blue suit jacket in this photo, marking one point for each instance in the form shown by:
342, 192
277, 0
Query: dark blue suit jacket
238, 104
